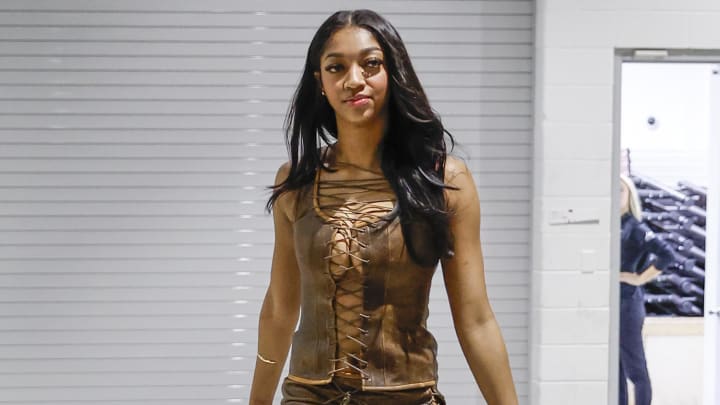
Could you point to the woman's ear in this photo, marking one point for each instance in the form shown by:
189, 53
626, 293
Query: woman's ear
319, 82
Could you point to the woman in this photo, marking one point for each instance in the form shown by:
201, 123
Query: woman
637, 241
360, 226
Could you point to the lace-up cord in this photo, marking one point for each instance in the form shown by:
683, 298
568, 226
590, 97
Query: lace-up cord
351, 207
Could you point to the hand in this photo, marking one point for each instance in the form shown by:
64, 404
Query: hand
630, 278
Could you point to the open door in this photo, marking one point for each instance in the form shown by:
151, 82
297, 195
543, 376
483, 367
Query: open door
712, 278
669, 138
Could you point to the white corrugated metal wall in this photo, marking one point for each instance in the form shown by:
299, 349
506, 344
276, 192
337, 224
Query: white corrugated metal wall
135, 141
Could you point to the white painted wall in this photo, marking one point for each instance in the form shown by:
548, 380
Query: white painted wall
674, 350
677, 95
571, 346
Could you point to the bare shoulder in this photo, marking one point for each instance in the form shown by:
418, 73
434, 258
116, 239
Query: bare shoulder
282, 172
285, 204
459, 176
453, 167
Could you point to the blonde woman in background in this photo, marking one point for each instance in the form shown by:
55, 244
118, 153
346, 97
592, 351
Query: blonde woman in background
637, 241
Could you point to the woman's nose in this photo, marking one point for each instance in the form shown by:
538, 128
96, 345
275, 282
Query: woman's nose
355, 77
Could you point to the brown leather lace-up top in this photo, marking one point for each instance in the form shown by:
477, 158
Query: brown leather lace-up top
364, 302
350, 207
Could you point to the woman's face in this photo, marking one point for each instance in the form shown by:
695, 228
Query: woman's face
353, 76
624, 198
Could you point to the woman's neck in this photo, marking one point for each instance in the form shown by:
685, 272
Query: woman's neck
359, 146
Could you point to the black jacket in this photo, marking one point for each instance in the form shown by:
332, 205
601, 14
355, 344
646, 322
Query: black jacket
637, 241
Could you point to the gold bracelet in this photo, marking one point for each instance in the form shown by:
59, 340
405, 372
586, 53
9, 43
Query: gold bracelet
264, 360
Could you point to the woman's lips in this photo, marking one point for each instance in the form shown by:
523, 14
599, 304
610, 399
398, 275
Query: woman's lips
356, 101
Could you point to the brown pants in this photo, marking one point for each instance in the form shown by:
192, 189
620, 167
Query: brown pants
344, 391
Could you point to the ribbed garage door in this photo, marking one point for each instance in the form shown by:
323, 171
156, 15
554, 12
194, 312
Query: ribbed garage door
136, 138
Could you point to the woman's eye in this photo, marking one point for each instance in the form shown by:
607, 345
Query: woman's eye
374, 63
333, 68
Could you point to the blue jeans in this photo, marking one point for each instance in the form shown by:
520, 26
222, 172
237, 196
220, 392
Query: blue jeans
633, 365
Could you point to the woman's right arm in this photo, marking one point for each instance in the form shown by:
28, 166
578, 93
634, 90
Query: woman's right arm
281, 306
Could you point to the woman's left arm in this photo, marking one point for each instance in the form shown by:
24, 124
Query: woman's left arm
475, 324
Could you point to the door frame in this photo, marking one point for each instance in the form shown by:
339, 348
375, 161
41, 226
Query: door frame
637, 55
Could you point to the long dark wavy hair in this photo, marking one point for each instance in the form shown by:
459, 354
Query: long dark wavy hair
413, 149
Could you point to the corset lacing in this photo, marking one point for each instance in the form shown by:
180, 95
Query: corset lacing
351, 207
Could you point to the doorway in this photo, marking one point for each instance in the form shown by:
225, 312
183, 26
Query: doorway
667, 107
